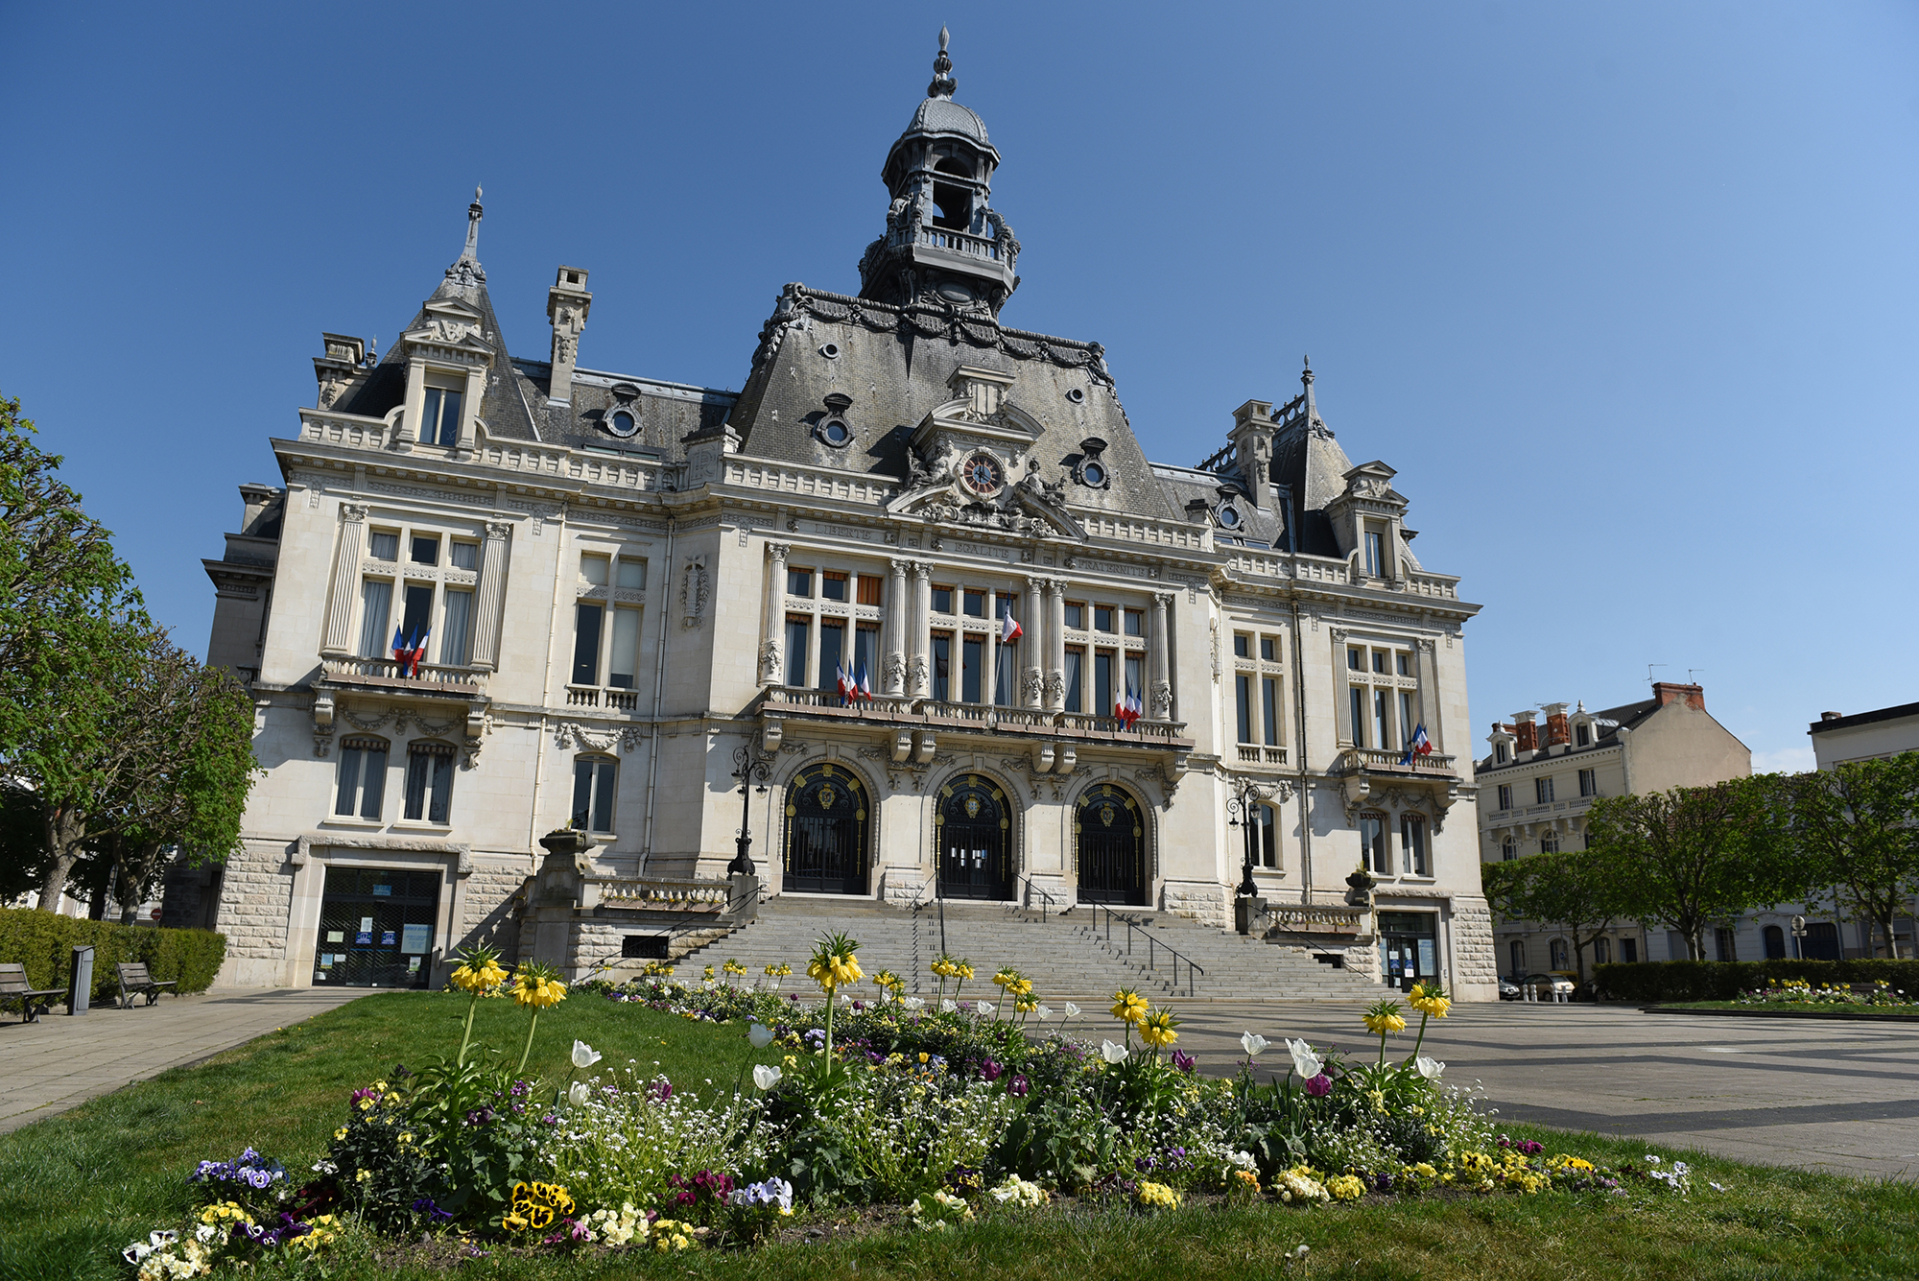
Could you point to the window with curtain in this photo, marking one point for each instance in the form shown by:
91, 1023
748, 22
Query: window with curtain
943, 666
622, 664
1372, 843
457, 630
595, 781
440, 421
1075, 678
1267, 838
832, 654
1412, 844
798, 632
586, 643
1356, 698
376, 601
1269, 705
1243, 692
362, 786
429, 782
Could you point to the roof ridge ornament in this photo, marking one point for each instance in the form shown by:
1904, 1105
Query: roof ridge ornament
943, 86
466, 270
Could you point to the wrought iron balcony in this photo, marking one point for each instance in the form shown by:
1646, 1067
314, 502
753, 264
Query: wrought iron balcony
391, 674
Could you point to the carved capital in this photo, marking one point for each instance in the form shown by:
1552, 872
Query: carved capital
1339, 634
922, 571
352, 513
1426, 644
778, 552
499, 531
1163, 599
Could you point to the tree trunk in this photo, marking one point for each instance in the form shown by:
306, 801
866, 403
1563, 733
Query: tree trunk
65, 832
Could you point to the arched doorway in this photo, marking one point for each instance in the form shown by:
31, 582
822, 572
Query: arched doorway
826, 810
973, 822
1109, 832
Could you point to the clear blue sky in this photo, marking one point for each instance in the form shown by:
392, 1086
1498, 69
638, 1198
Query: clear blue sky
1625, 292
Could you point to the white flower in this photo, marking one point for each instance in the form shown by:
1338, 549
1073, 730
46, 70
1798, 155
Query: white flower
1429, 1068
1299, 1251
984, 1007
766, 1077
1112, 1052
1252, 1043
136, 1252
577, 1095
1045, 1012
948, 1006
1305, 1062
584, 1055
1072, 1011
912, 1002
207, 1231
760, 1036
1243, 1160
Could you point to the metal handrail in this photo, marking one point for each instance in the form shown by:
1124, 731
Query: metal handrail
1153, 947
1033, 888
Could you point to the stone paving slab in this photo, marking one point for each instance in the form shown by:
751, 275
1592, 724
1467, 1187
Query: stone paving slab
63, 1060
1842, 1098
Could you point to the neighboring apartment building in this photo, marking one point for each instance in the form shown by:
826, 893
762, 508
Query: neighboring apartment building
497, 595
1837, 739
1540, 779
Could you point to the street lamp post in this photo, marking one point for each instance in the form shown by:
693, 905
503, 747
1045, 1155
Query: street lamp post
1239, 809
749, 769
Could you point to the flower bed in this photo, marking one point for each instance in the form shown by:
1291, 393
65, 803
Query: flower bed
1878, 995
946, 1108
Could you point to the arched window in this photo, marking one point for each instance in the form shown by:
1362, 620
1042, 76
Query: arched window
973, 819
826, 809
1508, 850
955, 202
595, 782
1109, 833
362, 777
429, 781
1775, 943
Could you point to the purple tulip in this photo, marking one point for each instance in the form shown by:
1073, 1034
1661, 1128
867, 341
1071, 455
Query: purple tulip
1320, 1086
990, 1070
1182, 1061
1019, 1085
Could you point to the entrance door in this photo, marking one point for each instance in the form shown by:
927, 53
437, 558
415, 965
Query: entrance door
972, 819
376, 928
1408, 948
825, 833
1110, 831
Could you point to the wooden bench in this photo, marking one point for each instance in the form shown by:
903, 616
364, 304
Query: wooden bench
135, 981
14, 987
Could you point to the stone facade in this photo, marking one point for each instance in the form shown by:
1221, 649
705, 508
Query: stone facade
497, 596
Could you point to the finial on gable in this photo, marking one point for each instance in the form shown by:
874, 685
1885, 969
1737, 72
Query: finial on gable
466, 271
943, 86
473, 211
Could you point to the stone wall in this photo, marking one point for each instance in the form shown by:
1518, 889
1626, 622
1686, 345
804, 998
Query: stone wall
492, 906
1476, 974
256, 893
1207, 902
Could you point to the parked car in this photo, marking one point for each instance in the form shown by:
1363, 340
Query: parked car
1509, 989
1550, 987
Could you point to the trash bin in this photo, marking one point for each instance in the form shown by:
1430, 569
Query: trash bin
80, 981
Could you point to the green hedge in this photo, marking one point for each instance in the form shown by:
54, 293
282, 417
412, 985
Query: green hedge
1725, 980
45, 943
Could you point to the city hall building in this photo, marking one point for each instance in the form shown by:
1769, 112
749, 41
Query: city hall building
494, 596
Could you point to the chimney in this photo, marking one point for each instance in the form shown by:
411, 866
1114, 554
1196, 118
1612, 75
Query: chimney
1693, 696
1558, 732
566, 306
1829, 716
1526, 732
1252, 438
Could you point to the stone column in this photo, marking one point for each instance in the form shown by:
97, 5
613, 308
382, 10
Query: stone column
346, 581
1034, 649
989, 679
1342, 701
1428, 668
921, 676
491, 597
898, 620
1158, 660
772, 627
1055, 644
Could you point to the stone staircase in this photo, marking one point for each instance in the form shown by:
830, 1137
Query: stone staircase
1083, 954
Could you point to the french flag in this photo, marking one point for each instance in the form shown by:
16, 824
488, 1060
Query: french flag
1127, 708
400, 648
843, 683
1009, 628
1418, 745
417, 652
865, 690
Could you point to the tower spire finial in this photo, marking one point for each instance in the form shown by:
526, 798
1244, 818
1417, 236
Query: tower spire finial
1306, 381
472, 249
943, 86
466, 271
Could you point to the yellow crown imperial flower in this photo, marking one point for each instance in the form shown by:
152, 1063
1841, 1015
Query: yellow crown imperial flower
1129, 1006
538, 987
1429, 998
1159, 1028
1384, 1017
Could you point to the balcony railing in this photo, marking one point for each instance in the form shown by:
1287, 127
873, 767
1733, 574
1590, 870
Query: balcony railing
984, 716
686, 893
619, 700
963, 243
1371, 758
432, 677
1251, 755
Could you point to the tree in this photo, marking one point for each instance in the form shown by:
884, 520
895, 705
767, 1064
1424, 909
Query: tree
1574, 890
1855, 825
1696, 855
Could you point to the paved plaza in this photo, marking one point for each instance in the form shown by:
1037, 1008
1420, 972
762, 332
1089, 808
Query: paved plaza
62, 1061
1840, 1097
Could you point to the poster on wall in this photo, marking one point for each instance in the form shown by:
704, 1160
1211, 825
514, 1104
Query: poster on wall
388, 938
416, 939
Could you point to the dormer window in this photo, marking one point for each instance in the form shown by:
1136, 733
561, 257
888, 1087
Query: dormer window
1583, 734
1375, 554
440, 420
622, 423
1229, 516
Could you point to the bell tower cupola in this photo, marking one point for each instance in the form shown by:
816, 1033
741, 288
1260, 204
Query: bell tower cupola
944, 246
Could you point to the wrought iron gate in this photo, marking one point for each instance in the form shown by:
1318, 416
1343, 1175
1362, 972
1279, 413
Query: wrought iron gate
825, 832
1110, 830
973, 822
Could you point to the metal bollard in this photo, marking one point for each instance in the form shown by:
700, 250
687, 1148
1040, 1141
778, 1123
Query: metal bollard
80, 981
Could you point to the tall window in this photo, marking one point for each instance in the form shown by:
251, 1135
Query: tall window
1559, 955
1505, 796
1516, 956
798, 631
416, 618
457, 627
1583, 734
1258, 678
595, 780
1075, 679
1588, 782
1508, 850
1549, 842
943, 667
376, 601
623, 659
1375, 554
1629, 951
1357, 697
1602, 951
587, 618
1499, 753
1725, 944
1103, 693
1406, 722
832, 652
1412, 844
866, 647
1265, 835
1243, 691
1269, 708
362, 778
440, 423
1383, 693
1372, 843
972, 660
429, 782
1542, 790
1382, 733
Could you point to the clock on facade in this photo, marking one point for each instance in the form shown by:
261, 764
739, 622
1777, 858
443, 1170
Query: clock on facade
982, 474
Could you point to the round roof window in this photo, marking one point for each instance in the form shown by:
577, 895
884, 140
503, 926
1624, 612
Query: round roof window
622, 423
1229, 516
835, 432
831, 351
1093, 474
1076, 395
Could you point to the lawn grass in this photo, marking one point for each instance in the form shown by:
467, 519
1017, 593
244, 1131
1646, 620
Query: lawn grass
1793, 1011
77, 1187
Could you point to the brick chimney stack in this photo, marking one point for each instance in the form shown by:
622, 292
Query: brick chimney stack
1526, 732
1558, 732
1693, 696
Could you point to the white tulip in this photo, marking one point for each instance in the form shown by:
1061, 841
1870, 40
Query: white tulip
1429, 1068
1112, 1052
766, 1077
1043, 1011
985, 1008
584, 1055
1305, 1062
1072, 1011
1252, 1043
577, 1095
948, 1006
760, 1036
912, 1002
